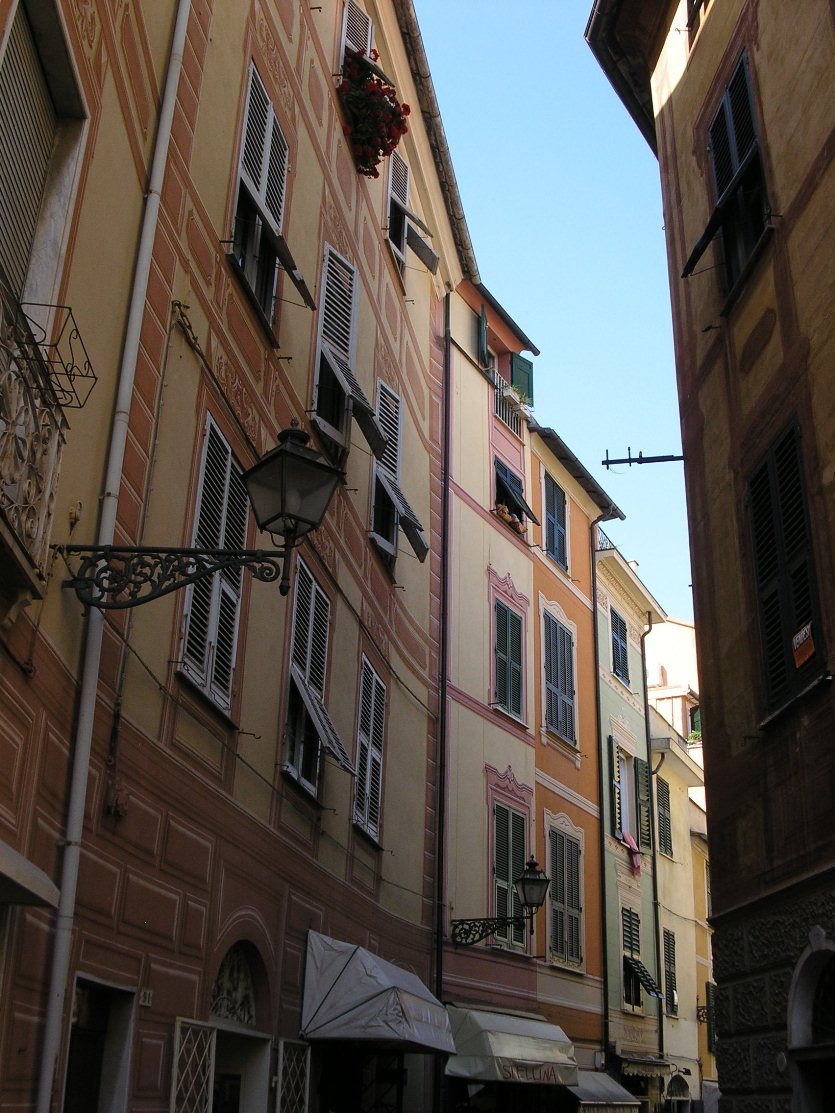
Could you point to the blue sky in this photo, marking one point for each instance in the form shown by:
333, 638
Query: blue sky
563, 203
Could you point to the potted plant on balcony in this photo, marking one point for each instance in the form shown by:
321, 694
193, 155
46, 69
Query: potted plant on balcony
376, 120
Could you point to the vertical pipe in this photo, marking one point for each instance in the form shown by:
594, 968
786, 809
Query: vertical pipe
62, 944
655, 905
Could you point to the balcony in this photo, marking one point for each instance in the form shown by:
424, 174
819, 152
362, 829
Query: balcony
44, 369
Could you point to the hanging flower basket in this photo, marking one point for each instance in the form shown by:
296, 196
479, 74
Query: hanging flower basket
376, 119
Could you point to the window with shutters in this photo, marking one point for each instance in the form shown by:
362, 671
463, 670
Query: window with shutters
643, 812
631, 928
565, 894
213, 604
368, 802
357, 31
556, 520
508, 668
509, 857
791, 637
665, 821
670, 990
740, 210
41, 114
630, 799
390, 508
620, 646
337, 394
405, 228
559, 679
308, 727
510, 503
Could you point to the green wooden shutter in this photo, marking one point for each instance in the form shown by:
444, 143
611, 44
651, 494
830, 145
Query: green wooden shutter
557, 893
670, 984
573, 906
620, 646
555, 523
552, 672
370, 739
508, 664
644, 814
565, 644
517, 866
521, 376
482, 347
631, 924
665, 823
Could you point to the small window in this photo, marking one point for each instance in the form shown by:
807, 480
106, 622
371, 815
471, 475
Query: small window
508, 863
213, 604
368, 801
791, 636
508, 659
404, 226
555, 523
635, 975
338, 395
665, 823
565, 896
620, 646
740, 210
559, 679
670, 990
308, 726
390, 508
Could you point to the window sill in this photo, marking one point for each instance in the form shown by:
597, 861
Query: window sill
203, 698
372, 840
290, 776
757, 251
387, 557
503, 711
567, 966
261, 316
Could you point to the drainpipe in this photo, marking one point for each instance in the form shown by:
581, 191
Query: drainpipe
655, 905
89, 682
443, 721
603, 783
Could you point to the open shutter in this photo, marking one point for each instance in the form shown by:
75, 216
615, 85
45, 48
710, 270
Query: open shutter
617, 788
631, 923
620, 647
517, 866
555, 522
482, 350
670, 983
573, 910
28, 124
230, 582
501, 663
368, 802
665, 828
357, 30
337, 322
514, 655
642, 776
521, 376
552, 691
264, 154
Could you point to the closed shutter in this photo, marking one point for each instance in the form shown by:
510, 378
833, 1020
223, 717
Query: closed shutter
574, 912
337, 322
555, 523
28, 125
631, 925
784, 569
213, 603
559, 679
370, 734
311, 620
508, 659
620, 647
558, 911
732, 134
388, 416
357, 30
665, 825
509, 863
643, 810
566, 918
264, 154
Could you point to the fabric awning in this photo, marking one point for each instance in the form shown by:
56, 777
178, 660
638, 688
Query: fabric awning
603, 1092
21, 882
352, 994
644, 1066
506, 1047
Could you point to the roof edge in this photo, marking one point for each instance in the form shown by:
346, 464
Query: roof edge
623, 71
577, 470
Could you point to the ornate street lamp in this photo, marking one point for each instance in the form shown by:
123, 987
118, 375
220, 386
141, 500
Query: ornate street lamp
531, 888
289, 490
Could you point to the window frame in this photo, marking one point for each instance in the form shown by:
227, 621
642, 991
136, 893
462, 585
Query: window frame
225, 586
559, 653
565, 897
555, 512
371, 732
619, 629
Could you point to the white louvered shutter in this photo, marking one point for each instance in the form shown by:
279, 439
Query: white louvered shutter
337, 322
214, 603
264, 154
28, 125
388, 415
310, 629
617, 787
357, 30
368, 805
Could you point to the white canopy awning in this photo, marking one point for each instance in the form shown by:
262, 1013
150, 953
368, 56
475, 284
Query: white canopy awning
506, 1047
594, 1088
352, 994
21, 882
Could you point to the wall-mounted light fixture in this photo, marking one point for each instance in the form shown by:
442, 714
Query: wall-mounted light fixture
531, 889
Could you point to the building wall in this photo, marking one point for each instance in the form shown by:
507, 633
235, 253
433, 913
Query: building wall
194, 838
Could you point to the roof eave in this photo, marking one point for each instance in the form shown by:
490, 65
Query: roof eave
627, 71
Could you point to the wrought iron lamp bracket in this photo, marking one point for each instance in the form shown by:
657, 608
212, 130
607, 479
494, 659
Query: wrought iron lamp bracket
117, 577
467, 932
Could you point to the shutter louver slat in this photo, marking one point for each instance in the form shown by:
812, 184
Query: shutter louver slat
276, 178
515, 664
